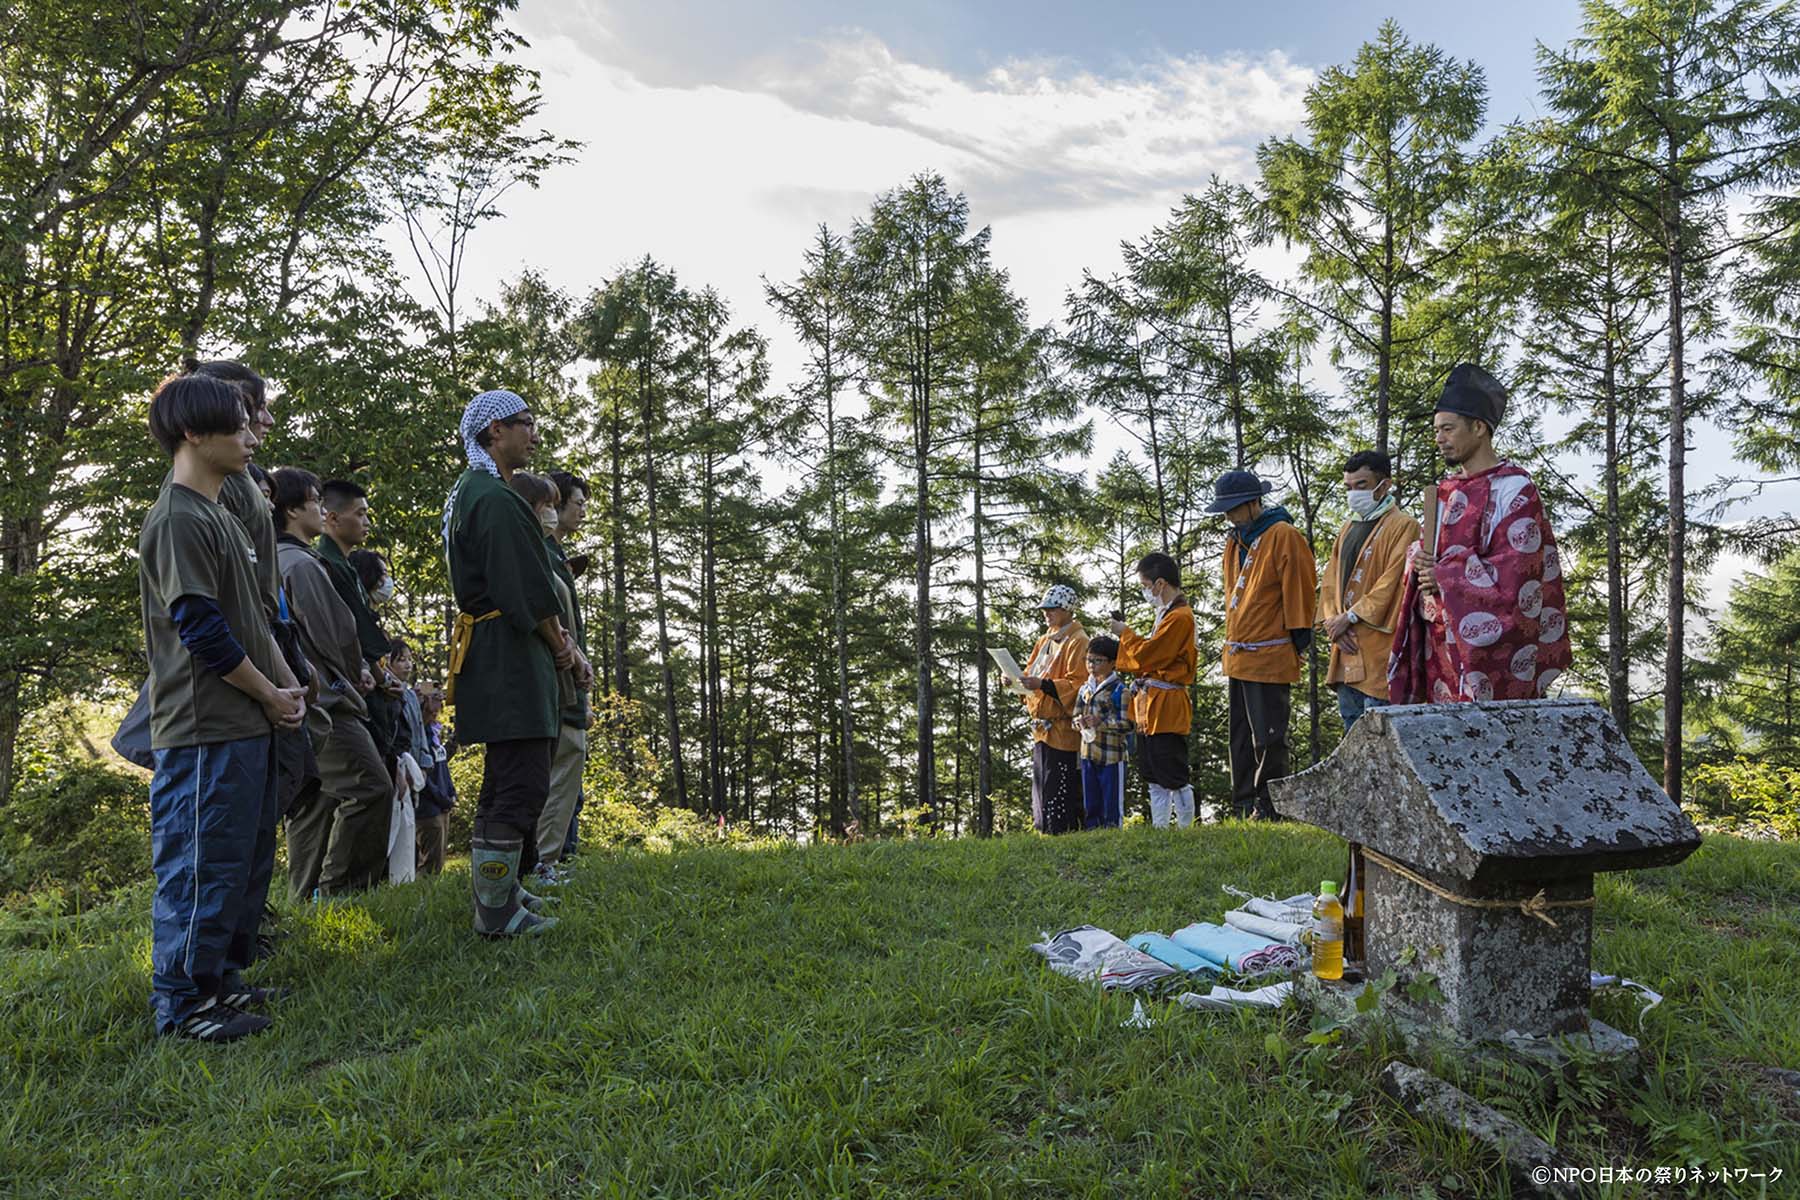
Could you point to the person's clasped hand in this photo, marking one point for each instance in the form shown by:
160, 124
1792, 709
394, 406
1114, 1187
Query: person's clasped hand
286, 708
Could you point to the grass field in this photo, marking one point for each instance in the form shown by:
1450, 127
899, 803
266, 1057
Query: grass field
854, 1021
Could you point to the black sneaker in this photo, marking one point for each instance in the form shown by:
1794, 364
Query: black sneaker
219, 1022
245, 995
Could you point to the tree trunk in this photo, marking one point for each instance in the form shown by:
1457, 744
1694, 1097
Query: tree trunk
1672, 686
1618, 680
678, 768
1237, 394
1312, 658
1162, 503
710, 606
984, 766
620, 614
927, 793
846, 717
1385, 349
956, 776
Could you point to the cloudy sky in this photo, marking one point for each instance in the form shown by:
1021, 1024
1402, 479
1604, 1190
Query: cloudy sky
719, 134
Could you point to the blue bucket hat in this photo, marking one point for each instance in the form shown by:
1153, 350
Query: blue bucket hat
1235, 488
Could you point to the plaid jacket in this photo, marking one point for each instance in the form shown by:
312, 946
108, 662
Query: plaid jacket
1105, 700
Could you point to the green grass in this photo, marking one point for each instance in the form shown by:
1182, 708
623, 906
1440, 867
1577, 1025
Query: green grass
856, 1021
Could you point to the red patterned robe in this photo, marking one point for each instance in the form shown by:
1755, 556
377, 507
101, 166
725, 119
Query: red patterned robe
1498, 629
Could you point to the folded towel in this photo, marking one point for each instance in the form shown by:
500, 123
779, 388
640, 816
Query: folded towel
1294, 908
1228, 947
1269, 958
1162, 949
1218, 944
1275, 931
1087, 952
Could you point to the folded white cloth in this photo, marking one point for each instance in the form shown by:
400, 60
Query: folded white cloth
1224, 997
1278, 931
1294, 908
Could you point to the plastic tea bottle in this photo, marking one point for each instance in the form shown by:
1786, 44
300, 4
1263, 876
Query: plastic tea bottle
1328, 933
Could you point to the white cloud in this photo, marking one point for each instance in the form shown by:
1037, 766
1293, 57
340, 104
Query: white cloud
726, 182
1031, 135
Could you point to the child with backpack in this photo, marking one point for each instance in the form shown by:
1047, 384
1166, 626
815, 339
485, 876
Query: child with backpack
1104, 727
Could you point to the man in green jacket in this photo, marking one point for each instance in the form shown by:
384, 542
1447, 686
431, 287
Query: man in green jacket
346, 508
508, 644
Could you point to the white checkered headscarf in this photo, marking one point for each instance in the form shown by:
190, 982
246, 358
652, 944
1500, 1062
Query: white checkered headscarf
484, 409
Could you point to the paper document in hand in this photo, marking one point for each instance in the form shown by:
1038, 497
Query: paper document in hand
1009, 666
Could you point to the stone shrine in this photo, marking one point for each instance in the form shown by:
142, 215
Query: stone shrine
1483, 826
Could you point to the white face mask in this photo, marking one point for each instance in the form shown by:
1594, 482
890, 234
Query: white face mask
384, 591
548, 520
1150, 597
1363, 501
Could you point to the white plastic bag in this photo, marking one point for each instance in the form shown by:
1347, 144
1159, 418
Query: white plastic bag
403, 826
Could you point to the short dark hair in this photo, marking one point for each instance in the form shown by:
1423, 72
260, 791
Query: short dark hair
290, 489
567, 482
1104, 647
259, 477
336, 494
535, 489
1371, 460
195, 404
247, 381
398, 646
370, 567
1159, 566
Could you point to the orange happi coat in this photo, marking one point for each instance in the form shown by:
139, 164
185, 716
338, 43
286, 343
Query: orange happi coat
1374, 593
1169, 656
1060, 659
1272, 591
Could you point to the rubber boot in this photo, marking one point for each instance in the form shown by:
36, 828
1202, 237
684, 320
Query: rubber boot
532, 903
494, 872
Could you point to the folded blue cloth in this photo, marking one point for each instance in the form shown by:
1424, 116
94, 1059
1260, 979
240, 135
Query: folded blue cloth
1163, 950
1221, 945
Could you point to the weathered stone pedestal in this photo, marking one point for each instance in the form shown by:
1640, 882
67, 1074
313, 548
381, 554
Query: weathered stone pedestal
1511, 808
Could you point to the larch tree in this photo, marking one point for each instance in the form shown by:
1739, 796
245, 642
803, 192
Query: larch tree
911, 257
1674, 106
1365, 196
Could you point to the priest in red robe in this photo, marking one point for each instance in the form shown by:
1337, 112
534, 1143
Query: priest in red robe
1484, 616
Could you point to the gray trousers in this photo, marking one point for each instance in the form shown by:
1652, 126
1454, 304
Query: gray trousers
566, 764
338, 842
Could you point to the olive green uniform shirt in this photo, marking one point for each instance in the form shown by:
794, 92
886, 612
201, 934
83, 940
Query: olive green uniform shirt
191, 546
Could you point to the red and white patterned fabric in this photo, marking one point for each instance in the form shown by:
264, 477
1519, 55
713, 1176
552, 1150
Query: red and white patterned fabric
1498, 629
